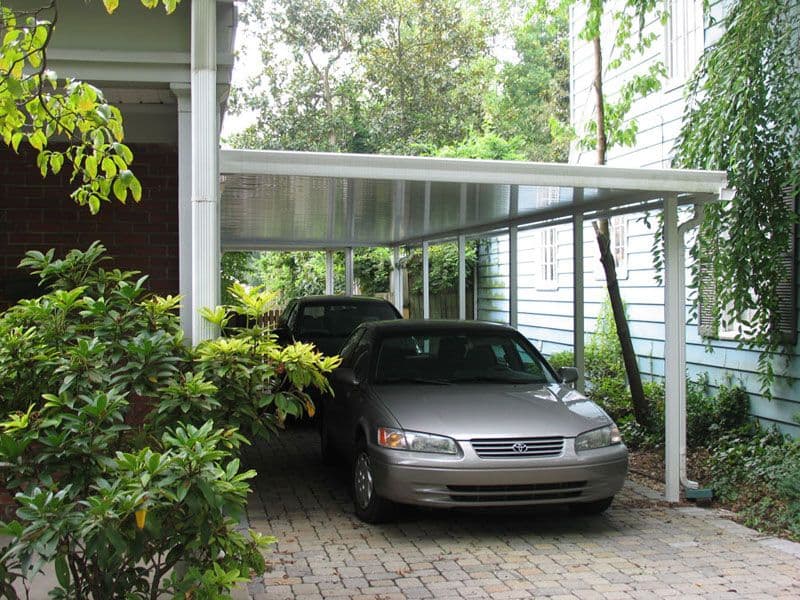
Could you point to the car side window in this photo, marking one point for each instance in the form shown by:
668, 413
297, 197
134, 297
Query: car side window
347, 350
283, 320
361, 357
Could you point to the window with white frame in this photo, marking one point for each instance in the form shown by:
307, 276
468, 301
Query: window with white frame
548, 258
731, 325
683, 38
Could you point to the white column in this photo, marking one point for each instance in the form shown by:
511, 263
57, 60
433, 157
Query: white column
426, 281
397, 278
673, 321
513, 261
577, 299
183, 95
462, 278
205, 168
329, 271
348, 271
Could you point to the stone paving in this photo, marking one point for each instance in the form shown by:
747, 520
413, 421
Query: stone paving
640, 548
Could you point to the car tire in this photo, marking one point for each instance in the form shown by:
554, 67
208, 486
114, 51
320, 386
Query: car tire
369, 506
591, 508
326, 450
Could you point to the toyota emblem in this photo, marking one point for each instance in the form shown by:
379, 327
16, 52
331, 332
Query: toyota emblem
520, 448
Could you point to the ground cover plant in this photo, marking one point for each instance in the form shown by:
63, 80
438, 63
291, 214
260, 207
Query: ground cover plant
753, 470
122, 507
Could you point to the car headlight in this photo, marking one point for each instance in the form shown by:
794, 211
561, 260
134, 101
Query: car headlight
598, 438
415, 441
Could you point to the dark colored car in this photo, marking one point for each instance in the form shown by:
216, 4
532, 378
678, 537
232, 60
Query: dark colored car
457, 414
327, 321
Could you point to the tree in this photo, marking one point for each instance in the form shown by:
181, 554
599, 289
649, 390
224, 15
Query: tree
36, 107
611, 126
742, 116
532, 102
371, 76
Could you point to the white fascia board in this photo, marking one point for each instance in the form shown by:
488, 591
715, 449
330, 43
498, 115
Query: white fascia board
407, 168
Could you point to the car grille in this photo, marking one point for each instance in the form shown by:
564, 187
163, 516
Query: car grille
519, 448
516, 493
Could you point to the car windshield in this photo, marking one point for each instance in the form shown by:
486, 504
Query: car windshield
338, 320
442, 358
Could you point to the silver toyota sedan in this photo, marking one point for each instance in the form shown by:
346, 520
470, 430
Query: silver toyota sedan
465, 414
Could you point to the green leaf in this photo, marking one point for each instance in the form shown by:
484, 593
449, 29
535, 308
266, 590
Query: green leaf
135, 188
111, 5
62, 571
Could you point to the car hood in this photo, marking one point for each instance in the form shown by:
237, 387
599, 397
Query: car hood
478, 410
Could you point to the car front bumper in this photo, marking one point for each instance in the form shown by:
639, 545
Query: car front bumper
469, 481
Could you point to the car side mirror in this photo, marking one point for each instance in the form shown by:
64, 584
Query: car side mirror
346, 376
568, 374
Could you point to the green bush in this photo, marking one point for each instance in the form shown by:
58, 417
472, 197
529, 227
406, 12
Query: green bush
561, 359
94, 491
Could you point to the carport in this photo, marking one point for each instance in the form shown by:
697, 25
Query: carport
274, 200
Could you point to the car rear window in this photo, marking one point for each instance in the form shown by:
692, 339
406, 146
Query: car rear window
338, 320
454, 357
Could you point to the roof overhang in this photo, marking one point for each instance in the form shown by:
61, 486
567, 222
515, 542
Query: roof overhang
278, 199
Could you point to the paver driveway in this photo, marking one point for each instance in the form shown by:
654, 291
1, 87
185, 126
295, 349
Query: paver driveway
639, 549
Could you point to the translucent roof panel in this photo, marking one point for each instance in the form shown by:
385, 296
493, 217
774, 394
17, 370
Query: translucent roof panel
274, 199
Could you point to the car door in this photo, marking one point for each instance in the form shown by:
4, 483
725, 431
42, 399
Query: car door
350, 401
335, 406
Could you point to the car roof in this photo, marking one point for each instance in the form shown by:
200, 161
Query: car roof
437, 325
339, 299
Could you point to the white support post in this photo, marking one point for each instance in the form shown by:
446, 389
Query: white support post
397, 277
329, 271
513, 261
462, 278
674, 321
426, 281
348, 271
183, 95
205, 168
577, 299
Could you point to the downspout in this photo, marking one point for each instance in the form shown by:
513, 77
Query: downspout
682, 229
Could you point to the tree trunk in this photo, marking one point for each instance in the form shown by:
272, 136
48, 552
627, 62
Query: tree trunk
641, 408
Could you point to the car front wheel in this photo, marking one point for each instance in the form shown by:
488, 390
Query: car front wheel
370, 507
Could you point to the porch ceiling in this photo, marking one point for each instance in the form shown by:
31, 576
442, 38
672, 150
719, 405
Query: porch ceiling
276, 199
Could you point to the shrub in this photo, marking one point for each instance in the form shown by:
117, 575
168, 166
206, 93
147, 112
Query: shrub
93, 491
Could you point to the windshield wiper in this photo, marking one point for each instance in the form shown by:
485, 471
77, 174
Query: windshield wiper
413, 380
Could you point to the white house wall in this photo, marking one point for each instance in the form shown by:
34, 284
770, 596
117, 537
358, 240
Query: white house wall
545, 315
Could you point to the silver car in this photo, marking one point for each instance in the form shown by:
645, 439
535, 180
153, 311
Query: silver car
465, 414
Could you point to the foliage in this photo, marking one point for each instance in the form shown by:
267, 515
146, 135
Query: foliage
36, 108
485, 145
113, 507
371, 269
532, 102
564, 358
443, 267
757, 470
741, 116
366, 77
237, 267
296, 274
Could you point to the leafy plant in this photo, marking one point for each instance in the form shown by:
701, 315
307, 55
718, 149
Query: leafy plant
122, 511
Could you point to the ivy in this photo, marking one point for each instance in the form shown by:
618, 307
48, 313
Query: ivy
741, 116
37, 107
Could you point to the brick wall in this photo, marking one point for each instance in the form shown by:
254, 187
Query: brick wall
38, 214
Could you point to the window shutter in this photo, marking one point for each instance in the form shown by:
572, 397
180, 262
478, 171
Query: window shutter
788, 287
708, 292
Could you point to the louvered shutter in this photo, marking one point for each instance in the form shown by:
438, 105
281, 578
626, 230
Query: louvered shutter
787, 288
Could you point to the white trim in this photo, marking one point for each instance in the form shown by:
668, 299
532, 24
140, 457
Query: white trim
548, 243
464, 170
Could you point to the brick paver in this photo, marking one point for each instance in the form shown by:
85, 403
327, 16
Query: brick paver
640, 548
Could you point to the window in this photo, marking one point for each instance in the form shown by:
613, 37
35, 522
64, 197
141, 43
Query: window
731, 325
683, 38
548, 261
